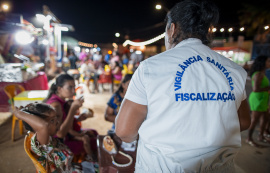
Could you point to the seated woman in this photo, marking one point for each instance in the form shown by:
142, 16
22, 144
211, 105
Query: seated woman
116, 70
64, 88
115, 101
41, 119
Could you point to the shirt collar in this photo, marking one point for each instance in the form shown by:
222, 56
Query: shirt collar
188, 41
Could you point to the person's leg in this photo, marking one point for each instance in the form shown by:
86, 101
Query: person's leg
96, 82
86, 145
254, 120
87, 80
263, 120
267, 126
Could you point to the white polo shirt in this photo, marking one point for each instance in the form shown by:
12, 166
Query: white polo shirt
192, 95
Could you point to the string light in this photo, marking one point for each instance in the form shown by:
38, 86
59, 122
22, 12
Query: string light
214, 29
145, 42
266, 27
230, 29
242, 29
222, 30
86, 44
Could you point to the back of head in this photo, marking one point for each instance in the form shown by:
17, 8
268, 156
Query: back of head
126, 79
59, 82
193, 18
258, 64
38, 109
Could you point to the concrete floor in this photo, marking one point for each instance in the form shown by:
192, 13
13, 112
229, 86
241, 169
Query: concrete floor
14, 159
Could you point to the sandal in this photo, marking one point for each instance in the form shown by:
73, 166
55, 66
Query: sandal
263, 140
251, 143
266, 135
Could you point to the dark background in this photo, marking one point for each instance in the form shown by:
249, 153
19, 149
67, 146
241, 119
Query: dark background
97, 21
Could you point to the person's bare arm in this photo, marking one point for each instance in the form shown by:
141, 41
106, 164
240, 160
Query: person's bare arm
257, 83
39, 125
109, 115
129, 119
67, 124
75, 133
243, 115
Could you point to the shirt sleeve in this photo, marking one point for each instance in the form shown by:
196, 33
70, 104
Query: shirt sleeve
111, 102
136, 91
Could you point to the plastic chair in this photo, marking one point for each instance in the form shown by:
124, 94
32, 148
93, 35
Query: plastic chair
27, 148
12, 91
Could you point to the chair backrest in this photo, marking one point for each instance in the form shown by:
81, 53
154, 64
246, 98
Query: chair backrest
13, 90
27, 148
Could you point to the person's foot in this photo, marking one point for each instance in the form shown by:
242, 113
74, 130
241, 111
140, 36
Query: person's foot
252, 143
267, 135
263, 139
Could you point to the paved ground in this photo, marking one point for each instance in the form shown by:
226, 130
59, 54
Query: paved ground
14, 159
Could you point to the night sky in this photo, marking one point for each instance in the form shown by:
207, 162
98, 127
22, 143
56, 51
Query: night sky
97, 21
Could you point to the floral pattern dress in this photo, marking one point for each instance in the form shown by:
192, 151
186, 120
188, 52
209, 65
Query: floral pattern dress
54, 157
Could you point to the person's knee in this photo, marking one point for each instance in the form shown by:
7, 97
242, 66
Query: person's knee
85, 139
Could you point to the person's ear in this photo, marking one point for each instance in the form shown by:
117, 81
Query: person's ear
173, 29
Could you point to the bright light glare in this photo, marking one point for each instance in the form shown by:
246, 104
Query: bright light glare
266, 27
138, 52
230, 52
95, 50
87, 50
224, 53
23, 37
45, 42
230, 29
40, 17
77, 49
214, 29
64, 28
158, 7
49, 17
5, 7
222, 30
117, 34
242, 29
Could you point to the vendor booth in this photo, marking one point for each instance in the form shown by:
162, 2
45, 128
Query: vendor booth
236, 54
13, 73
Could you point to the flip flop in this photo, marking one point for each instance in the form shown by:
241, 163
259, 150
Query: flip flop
266, 135
251, 143
263, 140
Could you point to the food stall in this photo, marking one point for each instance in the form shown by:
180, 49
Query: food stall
236, 54
24, 74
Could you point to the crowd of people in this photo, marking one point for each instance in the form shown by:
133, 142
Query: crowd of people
188, 105
55, 124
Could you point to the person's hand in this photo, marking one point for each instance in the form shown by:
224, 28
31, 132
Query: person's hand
16, 111
82, 117
76, 104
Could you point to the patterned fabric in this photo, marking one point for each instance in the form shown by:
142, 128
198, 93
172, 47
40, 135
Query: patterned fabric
54, 156
115, 103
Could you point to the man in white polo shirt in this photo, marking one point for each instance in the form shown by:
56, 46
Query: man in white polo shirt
187, 104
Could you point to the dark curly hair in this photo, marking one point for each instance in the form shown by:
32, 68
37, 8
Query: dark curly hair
193, 18
258, 64
37, 109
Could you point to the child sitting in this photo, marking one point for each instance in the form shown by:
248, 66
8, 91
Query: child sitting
41, 119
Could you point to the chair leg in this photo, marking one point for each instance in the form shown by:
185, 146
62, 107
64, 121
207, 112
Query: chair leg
21, 127
13, 127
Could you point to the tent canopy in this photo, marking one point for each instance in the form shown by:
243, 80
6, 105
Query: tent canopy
71, 42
